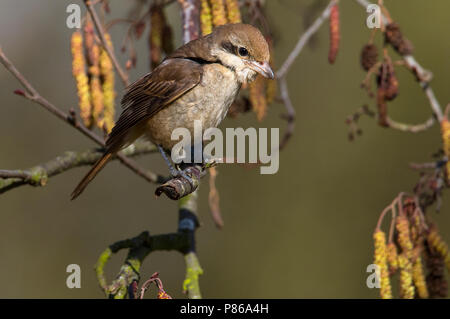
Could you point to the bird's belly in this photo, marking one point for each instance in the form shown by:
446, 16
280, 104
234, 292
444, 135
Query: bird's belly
207, 103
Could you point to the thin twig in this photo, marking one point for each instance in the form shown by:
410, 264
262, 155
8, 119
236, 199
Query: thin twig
413, 128
424, 76
39, 174
281, 74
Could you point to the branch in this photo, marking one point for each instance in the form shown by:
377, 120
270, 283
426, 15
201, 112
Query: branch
423, 76
31, 94
39, 174
142, 245
281, 74
101, 33
413, 128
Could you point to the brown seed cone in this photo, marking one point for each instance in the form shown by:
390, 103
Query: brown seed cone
394, 36
387, 80
369, 56
334, 34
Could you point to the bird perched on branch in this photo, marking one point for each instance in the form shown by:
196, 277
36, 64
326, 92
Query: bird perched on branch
197, 82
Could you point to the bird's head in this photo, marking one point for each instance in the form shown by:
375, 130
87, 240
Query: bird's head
242, 48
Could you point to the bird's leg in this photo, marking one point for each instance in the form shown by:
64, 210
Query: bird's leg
175, 172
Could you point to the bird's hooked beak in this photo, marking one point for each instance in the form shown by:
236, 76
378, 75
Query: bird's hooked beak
262, 68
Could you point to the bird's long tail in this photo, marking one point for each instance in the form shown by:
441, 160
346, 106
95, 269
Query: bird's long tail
90, 176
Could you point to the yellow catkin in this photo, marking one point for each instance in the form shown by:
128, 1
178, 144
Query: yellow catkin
79, 73
233, 12
445, 131
93, 60
218, 12
206, 18
392, 257
406, 277
404, 237
419, 278
435, 241
380, 259
257, 97
156, 34
107, 72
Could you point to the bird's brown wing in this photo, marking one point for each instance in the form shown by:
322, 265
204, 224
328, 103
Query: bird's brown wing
147, 96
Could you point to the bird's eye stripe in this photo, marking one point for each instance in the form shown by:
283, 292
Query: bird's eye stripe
228, 46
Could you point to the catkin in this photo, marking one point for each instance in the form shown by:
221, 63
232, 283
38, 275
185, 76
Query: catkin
419, 278
233, 12
404, 237
435, 241
79, 73
392, 257
406, 277
107, 72
218, 12
445, 132
205, 18
380, 259
334, 34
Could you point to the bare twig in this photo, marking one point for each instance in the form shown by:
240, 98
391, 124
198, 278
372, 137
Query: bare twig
423, 76
304, 38
39, 174
101, 33
284, 69
413, 128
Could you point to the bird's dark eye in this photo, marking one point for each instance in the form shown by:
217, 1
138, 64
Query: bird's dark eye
243, 51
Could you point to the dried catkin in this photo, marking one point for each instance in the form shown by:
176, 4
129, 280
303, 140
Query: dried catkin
334, 34
394, 36
257, 96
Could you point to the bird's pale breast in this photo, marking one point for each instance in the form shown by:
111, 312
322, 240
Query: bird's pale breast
208, 103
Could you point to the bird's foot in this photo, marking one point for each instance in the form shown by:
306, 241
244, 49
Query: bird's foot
176, 172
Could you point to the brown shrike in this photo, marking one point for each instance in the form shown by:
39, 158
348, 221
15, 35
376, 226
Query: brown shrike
198, 82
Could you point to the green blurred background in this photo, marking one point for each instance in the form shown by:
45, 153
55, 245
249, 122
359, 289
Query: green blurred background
305, 232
